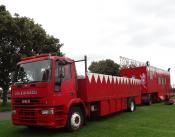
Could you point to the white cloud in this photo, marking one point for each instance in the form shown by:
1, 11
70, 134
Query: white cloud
138, 29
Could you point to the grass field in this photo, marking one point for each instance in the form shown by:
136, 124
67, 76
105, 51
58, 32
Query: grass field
6, 107
157, 120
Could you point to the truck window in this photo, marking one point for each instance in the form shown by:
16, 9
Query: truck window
67, 72
38, 71
64, 70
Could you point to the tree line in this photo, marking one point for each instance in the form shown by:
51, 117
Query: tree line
21, 37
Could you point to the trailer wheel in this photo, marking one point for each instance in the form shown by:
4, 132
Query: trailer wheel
149, 99
131, 105
149, 102
75, 119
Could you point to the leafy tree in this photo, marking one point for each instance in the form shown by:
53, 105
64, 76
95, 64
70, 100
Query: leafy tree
108, 67
21, 37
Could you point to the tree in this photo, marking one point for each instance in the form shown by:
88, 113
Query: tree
21, 37
108, 67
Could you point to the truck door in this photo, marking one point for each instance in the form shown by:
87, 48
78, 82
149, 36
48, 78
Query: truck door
64, 79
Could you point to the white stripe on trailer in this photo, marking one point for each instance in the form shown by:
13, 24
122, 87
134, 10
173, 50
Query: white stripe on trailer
121, 80
96, 77
101, 77
90, 76
127, 79
114, 78
118, 80
110, 79
131, 81
106, 78
134, 81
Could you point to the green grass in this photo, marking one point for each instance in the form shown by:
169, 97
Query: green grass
157, 120
7, 107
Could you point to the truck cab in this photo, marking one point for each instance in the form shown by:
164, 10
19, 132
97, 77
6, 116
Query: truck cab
44, 93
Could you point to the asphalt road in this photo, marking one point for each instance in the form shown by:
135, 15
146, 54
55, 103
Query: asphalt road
5, 116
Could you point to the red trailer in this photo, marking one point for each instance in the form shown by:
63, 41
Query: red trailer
46, 92
155, 82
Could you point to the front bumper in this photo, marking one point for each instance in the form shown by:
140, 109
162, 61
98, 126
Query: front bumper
34, 117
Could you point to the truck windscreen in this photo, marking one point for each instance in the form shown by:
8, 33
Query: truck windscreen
39, 71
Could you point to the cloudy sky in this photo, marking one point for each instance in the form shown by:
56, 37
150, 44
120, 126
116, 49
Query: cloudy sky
138, 29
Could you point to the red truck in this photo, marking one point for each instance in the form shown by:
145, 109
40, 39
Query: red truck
47, 92
155, 82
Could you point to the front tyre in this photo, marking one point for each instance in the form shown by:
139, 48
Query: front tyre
75, 119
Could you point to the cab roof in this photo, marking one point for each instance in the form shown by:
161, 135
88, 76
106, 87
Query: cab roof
43, 57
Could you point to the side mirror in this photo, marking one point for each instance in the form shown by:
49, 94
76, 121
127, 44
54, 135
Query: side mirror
147, 63
169, 69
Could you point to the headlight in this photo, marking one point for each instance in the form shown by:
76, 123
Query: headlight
13, 111
47, 112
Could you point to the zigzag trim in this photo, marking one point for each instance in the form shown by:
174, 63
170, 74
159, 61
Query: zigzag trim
121, 80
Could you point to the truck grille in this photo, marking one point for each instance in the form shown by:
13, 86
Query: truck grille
27, 101
28, 116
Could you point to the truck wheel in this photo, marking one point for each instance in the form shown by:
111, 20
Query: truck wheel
75, 119
131, 105
149, 99
149, 102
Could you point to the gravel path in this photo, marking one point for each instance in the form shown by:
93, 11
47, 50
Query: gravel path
5, 116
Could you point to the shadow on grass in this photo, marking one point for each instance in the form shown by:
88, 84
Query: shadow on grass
107, 117
61, 132
21, 131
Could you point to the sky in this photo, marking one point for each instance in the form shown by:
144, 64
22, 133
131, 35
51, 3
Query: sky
143, 30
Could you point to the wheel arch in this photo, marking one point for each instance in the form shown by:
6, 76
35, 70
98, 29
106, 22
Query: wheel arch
77, 103
132, 98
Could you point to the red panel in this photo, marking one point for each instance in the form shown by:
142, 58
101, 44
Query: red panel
112, 106
110, 92
119, 105
104, 108
151, 84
